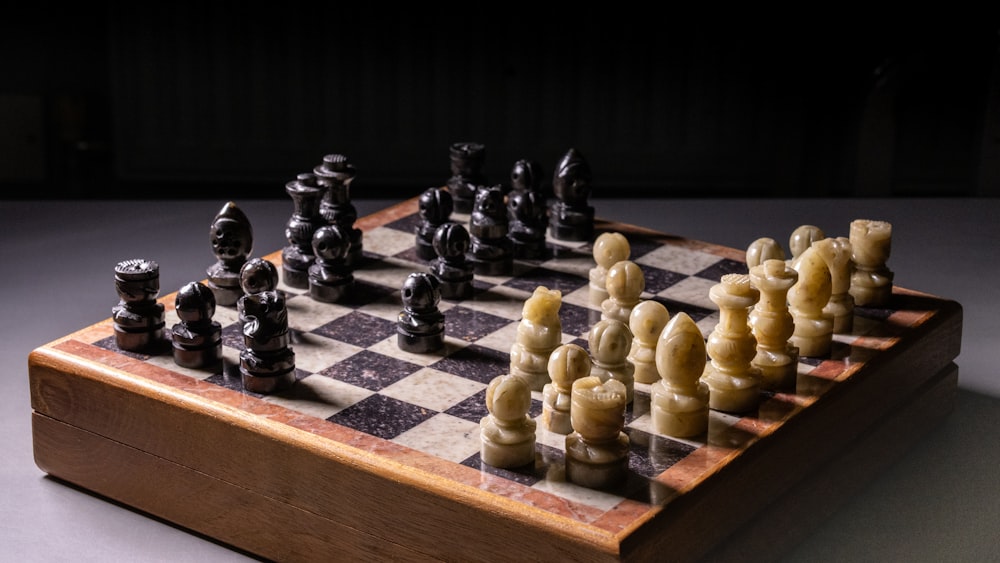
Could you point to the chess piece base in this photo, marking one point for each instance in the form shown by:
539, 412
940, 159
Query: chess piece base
507, 456
197, 358
420, 344
328, 292
294, 277
606, 470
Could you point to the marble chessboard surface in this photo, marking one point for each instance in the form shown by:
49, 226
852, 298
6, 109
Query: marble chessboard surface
382, 430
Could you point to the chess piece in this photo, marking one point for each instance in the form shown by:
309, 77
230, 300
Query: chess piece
330, 277
267, 363
466, 174
453, 271
197, 339
335, 175
527, 213
491, 250
646, 323
610, 341
813, 334
734, 384
571, 218
232, 241
679, 399
526, 176
762, 250
836, 252
435, 206
609, 249
538, 334
871, 242
138, 318
567, 363
507, 434
802, 238
298, 255
625, 284
772, 325
597, 449
420, 326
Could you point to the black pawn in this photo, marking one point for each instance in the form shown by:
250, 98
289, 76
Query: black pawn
330, 277
466, 173
231, 236
138, 318
197, 339
435, 206
527, 224
267, 363
298, 255
451, 242
526, 176
420, 328
335, 175
490, 250
571, 219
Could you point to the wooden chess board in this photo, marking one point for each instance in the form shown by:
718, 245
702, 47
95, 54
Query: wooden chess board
375, 452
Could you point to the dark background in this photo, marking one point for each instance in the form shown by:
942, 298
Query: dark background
225, 100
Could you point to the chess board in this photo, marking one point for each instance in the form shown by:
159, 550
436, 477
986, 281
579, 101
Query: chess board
375, 451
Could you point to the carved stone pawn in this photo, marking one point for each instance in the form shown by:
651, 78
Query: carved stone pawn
609, 249
528, 214
420, 325
813, 334
197, 339
231, 236
526, 176
434, 206
871, 243
538, 333
466, 173
597, 449
762, 250
138, 318
567, 363
734, 384
298, 255
335, 175
802, 238
679, 400
610, 341
451, 268
267, 363
330, 278
646, 323
625, 284
491, 251
571, 218
507, 434
773, 325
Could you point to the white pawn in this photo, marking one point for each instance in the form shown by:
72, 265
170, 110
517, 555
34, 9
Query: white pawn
538, 334
802, 238
507, 433
813, 334
567, 363
646, 323
836, 252
609, 341
763, 249
609, 249
734, 385
773, 325
679, 401
871, 242
597, 450
625, 284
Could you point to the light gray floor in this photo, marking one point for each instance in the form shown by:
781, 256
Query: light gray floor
940, 502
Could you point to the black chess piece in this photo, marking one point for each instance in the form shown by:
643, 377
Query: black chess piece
330, 277
526, 176
451, 242
420, 327
466, 174
232, 241
491, 250
570, 218
197, 339
335, 175
296, 258
138, 318
435, 206
528, 221
267, 363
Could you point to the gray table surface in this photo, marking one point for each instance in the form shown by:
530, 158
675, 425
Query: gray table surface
941, 502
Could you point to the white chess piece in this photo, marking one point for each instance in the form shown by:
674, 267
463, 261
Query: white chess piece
646, 323
773, 325
734, 385
609, 249
679, 400
567, 363
625, 284
538, 334
871, 242
507, 434
813, 334
610, 341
